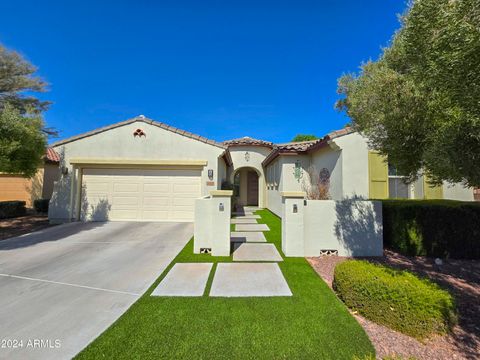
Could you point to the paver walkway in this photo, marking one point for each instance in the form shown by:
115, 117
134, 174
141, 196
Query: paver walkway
249, 280
184, 279
242, 278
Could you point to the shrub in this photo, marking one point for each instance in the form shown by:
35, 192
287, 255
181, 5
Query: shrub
397, 299
41, 205
10, 209
435, 228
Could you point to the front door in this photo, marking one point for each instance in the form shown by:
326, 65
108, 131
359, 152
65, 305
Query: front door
252, 188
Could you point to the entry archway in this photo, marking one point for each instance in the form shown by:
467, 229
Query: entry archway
246, 184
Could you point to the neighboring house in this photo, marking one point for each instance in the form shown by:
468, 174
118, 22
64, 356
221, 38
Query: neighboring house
140, 169
40, 186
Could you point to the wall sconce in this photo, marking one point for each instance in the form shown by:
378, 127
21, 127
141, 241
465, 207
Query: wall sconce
64, 170
247, 156
221, 207
295, 208
210, 174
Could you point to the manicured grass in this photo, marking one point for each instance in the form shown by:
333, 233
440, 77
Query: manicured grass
312, 323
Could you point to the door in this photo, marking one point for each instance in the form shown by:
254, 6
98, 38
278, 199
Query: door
139, 194
252, 188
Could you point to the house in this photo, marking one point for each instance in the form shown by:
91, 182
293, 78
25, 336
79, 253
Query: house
40, 186
143, 170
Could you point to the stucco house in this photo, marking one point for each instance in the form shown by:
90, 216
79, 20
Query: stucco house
143, 170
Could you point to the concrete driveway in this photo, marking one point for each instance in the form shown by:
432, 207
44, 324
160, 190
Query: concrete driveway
62, 287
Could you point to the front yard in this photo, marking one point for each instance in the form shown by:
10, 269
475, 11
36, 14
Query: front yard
312, 323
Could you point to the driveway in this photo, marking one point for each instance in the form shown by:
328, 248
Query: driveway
62, 287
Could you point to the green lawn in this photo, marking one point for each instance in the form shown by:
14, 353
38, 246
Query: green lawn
312, 323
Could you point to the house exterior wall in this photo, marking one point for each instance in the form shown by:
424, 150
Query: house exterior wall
274, 186
119, 143
457, 192
331, 160
256, 155
354, 165
51, 174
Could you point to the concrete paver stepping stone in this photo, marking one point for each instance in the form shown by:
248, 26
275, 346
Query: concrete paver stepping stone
243, 221
249, 280
247, 217
251, 227
246, 236
242, 213
256, 252
184, 279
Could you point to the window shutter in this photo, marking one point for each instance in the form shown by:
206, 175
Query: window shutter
378, 176
432, 192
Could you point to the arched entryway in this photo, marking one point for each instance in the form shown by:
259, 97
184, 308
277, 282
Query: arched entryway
246, 186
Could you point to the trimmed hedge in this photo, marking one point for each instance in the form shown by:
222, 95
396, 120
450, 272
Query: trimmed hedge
10, 209
41, 205
435, 228
397, 299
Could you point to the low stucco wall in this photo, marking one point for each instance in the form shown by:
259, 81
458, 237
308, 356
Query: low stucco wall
352, 227
212, 223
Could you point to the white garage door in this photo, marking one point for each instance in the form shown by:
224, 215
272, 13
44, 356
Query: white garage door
139, 194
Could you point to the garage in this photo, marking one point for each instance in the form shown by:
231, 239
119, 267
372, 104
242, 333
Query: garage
139, 194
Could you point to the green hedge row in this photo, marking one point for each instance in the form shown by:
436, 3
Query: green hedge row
435, 228
41, 205
10, 209
397, 299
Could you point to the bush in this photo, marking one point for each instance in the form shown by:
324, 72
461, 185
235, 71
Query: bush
397, 299
41, 205
435, 228
10, 209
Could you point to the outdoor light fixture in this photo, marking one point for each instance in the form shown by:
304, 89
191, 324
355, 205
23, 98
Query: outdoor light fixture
221, 207
247, 156
210, 174
295, 208
64, 170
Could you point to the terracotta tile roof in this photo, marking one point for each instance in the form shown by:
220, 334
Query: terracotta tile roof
248, 141
296, 146
146, 120
304, 147
51, 155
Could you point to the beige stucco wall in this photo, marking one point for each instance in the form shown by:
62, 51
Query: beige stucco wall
50, 175
354, 165
330, 159
257, 155
274, 186
457, 192
119, 143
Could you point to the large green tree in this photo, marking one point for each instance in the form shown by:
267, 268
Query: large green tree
23, 136
304, 137
419, 103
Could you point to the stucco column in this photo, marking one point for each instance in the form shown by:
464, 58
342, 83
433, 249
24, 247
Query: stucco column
293, 242
220, 226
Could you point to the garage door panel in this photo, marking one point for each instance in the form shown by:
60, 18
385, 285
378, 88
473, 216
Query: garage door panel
156, 188
141, 194
125, 187
156, 201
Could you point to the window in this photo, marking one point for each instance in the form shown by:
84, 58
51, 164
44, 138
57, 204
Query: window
397, 187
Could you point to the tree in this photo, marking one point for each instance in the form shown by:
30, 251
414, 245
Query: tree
16, 78
23, 137
419, 103
22, 142
304, 137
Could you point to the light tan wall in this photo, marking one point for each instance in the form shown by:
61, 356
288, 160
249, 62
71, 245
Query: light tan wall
119, 143
16, 187
50, 175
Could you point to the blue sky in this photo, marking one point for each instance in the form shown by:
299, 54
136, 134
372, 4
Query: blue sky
219, 69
